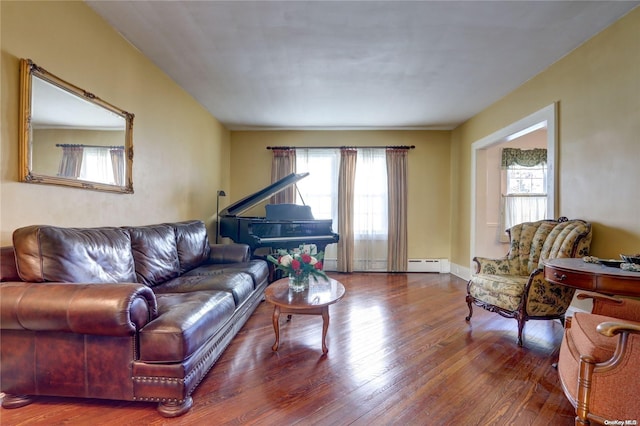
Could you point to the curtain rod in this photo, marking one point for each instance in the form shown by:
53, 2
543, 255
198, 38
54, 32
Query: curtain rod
341, 147
71, 145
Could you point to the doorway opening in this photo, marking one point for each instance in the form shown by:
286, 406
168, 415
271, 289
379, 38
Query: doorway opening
536, 130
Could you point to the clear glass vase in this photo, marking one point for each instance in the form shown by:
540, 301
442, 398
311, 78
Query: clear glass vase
298, 283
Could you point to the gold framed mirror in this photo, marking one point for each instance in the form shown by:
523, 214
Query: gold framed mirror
71, 137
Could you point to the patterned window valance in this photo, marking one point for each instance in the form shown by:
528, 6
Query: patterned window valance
523, 157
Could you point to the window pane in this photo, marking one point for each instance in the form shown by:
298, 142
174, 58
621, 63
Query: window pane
526, 199
97, 165
526, 180
319, 190
370, 203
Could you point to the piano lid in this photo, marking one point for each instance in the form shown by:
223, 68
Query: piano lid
254, 199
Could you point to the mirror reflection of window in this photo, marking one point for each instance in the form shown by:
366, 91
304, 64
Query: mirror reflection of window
71, 137
103, 164
85, 131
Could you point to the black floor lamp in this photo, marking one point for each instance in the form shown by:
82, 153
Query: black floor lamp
221, 193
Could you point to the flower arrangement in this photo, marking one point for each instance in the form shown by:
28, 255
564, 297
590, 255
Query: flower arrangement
299, 266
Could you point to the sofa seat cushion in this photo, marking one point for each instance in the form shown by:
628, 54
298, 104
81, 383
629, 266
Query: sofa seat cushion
256, 268
185, 322
238, 284
504, 291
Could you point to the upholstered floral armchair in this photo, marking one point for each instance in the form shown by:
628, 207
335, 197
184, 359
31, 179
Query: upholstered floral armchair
514, 286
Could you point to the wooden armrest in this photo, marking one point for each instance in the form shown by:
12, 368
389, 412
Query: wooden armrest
598, 296
611, 328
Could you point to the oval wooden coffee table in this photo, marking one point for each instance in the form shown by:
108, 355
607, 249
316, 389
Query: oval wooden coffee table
313, 301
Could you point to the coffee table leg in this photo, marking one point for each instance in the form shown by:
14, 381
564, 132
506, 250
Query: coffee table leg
276, 326
325, 327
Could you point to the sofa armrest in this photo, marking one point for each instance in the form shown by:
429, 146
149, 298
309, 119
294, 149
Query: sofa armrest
617, 307
485, 265
611, 328
229, 253
102, 309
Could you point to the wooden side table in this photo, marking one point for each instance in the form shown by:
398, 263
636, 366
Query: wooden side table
313, 301
576, 273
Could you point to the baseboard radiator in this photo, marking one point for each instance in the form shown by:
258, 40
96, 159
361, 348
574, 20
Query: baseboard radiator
429, 265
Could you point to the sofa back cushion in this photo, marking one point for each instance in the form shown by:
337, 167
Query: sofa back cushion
81, 255
532, 242
155, 253
193, 244
568, 239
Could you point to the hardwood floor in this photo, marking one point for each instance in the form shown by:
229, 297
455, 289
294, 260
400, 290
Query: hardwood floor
400, 352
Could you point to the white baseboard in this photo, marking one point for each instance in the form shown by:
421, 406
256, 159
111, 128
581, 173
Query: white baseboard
460, 271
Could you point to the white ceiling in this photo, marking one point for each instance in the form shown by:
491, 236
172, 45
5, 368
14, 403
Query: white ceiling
354, 64
55, 108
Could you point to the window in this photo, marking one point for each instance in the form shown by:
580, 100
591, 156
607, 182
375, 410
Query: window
526, 180
370, 202
320, 191
102, 164
97, 165
525, 195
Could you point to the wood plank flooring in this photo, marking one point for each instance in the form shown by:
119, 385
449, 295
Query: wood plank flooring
400, 353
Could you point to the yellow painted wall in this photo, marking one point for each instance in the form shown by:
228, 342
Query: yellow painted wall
181, 152
429, 220
597, 87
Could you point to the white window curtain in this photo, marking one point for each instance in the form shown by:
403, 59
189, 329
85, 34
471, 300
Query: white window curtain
319, 190
97, 165
523, 208
370, 211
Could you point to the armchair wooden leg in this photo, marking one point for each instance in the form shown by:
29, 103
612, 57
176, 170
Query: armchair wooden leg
469, 302
585, 373
521, 321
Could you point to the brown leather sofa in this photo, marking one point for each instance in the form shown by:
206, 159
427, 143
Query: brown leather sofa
131, 313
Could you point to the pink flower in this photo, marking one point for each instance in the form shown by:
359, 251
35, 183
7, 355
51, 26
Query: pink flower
306, 258
318, 265
295, 264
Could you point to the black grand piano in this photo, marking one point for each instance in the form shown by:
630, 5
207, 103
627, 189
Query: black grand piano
286, 226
